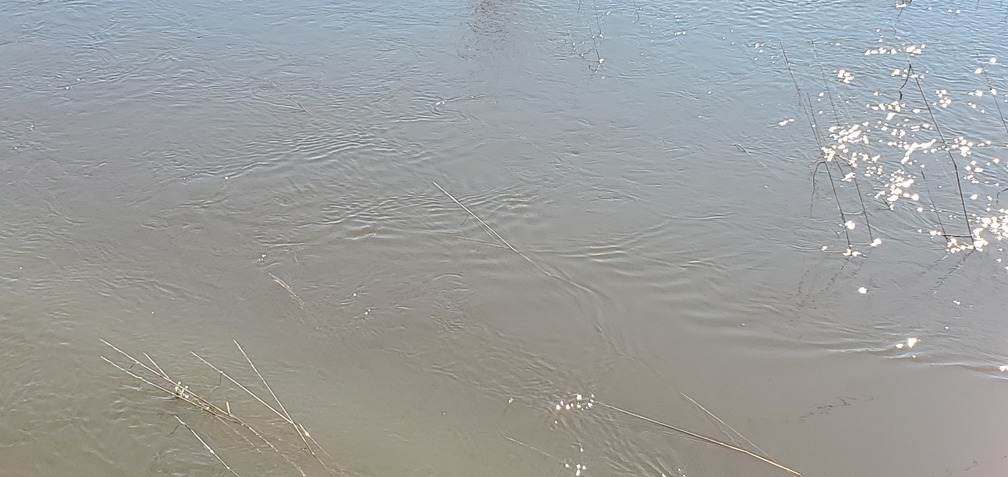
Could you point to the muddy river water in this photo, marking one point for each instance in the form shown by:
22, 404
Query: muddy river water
504, 238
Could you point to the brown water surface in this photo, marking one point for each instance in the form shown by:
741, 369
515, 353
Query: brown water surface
432, 225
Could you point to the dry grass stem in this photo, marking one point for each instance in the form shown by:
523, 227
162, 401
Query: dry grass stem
160, 371
493, 233
185, 397
718, 419
297, 426
531, 447
303, 434
709, 440
207, 447
240, 386
287, 287
177, 389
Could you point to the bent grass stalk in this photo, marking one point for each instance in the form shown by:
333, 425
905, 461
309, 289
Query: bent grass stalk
493, 233
290, 290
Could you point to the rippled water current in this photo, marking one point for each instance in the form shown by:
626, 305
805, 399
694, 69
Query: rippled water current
433, 225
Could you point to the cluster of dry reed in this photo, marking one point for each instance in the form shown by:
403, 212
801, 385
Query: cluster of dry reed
155, 376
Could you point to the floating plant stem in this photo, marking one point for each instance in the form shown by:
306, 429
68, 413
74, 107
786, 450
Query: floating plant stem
297, 426
290, 290
701, 437
207, 446
718, 419
493, 233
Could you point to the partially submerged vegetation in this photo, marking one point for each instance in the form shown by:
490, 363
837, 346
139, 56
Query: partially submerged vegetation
916, 147
153, 375
875, 160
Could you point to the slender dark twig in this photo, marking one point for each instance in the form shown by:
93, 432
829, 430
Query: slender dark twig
955, 164
990, 88
808, 113
843, 216
836, 117
822, 159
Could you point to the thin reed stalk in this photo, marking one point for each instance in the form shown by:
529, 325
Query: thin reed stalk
718, 419
955, 164
990, 88
207, 447
819, 142
836, 117
934, 207
297, 426
185, 396
302, 433
578, 468
701, 437
240, 385
531, 447
290, 97
493, 233
927, 187
843, 216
